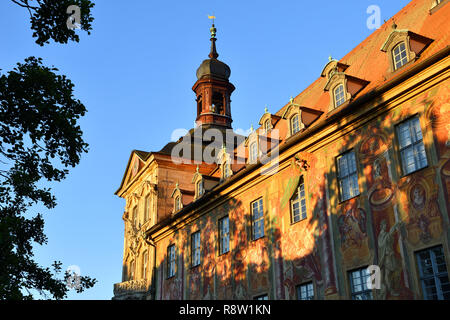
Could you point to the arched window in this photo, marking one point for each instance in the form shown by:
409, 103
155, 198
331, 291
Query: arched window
399, 55
295, 127
253, 154
267, 125
339, 95
298, 203
177, 203
199, 187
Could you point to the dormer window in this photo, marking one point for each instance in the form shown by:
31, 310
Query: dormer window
268, 121
399, 54
295, 127
267, 126
177, 203
199, 189
341, 86
253, 152
177, 196
293, 116
339, 95
403, 46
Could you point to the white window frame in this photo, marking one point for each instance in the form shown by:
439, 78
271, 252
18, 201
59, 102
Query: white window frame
195, 249
224, 235
253, 152
147, 200
305, 291
295, 125
171, 261
257, 214
348, 177
339, 100
401, 58
437, 276
415, 148
299, 199
358, 284
177, 203
267, 126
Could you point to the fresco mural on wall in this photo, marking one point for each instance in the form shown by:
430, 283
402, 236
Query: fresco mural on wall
438, 115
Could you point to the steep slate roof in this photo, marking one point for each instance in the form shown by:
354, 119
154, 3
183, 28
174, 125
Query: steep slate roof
366, 61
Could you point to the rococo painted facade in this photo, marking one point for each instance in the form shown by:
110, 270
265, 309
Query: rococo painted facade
353, 172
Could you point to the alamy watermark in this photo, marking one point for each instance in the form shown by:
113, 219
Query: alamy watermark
374, 279
374, 20
74, 20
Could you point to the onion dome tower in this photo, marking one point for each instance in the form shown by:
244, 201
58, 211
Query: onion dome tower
213, 90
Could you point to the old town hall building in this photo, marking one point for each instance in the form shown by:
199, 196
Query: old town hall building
350, 177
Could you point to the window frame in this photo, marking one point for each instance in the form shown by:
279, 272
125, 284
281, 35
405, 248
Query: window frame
365, 290
221, 236
147, 200
306, 284
171, 261
253, 152
177, 203
195, 250
267, 126
291, 124
300, 207
260, 219
394, 55
135, 216
436, 274
199, 189
400, 149
348, 176
343, 95
132, 273
144, 264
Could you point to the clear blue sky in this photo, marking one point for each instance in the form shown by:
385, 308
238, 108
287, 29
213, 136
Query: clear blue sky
134, 74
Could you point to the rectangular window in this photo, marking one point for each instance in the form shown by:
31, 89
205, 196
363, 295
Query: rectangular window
257, 219
433, 274
144, 265
135, 217
262, 297
253, 152
347, 176
199, 188
358, 284
147, 208
305, 291
195, 249
400, 56
412, 149
170, 261
224, 235
132, 269
298, 203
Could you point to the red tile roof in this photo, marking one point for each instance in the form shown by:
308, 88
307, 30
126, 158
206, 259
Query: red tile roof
366, 61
